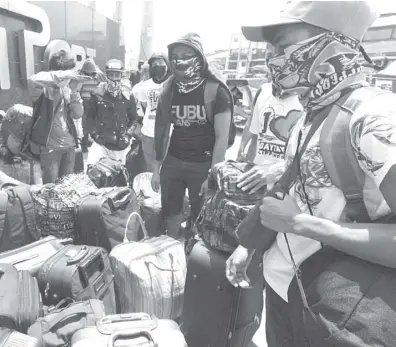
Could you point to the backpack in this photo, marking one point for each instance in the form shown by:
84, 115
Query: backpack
341, 292
222, 212
17, 218
210, 96
108, 172
15, 127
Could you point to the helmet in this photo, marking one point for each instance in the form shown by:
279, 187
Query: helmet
114, 65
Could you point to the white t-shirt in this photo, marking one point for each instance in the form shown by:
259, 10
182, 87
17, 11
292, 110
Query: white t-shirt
271, 122
148, 93
373, 136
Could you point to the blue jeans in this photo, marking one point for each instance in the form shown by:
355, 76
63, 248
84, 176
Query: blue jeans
177, 176
56, 163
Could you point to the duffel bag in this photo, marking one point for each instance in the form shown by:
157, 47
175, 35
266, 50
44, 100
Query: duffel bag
108, 172
150, 275
22, 169
20, 301
79, 273
17, 218
58, 326
12, 338
225, 176
55, 204
101, 217
134, 329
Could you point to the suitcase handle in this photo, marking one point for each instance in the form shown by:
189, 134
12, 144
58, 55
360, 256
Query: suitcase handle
132, 334
88, 269
115, 203
125, 317
146, 236
79, 256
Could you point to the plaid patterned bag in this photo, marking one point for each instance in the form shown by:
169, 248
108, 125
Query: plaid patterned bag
55, 203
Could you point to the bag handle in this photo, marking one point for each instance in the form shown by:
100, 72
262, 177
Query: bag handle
131, 334
125, 317
79, 256
146, 236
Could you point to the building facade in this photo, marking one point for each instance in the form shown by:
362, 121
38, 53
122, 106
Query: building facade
31, 31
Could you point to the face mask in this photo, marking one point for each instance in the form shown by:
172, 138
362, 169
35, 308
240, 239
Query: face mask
315, 68
159, 72
114, 88
187, 73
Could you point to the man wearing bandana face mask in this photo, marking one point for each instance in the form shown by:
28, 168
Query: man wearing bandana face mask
317, 46
112, 112
148, 98
197, 142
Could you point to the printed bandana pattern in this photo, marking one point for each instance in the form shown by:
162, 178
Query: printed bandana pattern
317, 68
114, 88
187, 74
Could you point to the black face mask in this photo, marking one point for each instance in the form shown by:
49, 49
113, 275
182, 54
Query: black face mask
159, 73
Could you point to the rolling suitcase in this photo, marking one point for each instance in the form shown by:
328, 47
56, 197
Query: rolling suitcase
101, 218
20, 301
32, 256
134, 329
215, 313
10, 338
79, 273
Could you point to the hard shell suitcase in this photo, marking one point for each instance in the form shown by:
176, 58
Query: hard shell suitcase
133, 329
20, 300
101, 217
11, 338
62, 321
79, 273
32, 256
215, 313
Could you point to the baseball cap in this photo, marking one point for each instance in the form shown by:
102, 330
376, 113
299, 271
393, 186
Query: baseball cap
350, 18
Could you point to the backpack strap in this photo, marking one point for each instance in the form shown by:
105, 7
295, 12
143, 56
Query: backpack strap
3, 211
339, 155
25, 199
210, 96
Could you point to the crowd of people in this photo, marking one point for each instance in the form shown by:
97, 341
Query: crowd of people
331, 191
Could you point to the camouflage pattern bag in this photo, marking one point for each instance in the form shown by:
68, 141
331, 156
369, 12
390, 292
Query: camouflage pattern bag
54, 204
226, 174
218, 220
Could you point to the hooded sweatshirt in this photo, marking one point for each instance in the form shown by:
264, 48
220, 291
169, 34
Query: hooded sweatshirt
193, 135
156, 56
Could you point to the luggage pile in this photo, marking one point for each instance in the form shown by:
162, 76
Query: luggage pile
59, 291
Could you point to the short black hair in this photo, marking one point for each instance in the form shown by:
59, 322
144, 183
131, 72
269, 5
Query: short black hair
61, 61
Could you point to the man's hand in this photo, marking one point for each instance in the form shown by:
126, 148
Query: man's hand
278, 215
237, 265
155, 181
253, 180
76, 80
204, 188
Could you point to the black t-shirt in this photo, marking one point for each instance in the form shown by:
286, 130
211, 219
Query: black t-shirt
193, 136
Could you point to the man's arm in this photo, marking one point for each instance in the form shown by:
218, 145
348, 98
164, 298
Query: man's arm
221, 123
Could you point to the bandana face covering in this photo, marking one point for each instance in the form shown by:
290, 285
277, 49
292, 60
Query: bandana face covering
316, 69
187, 73
114, 88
